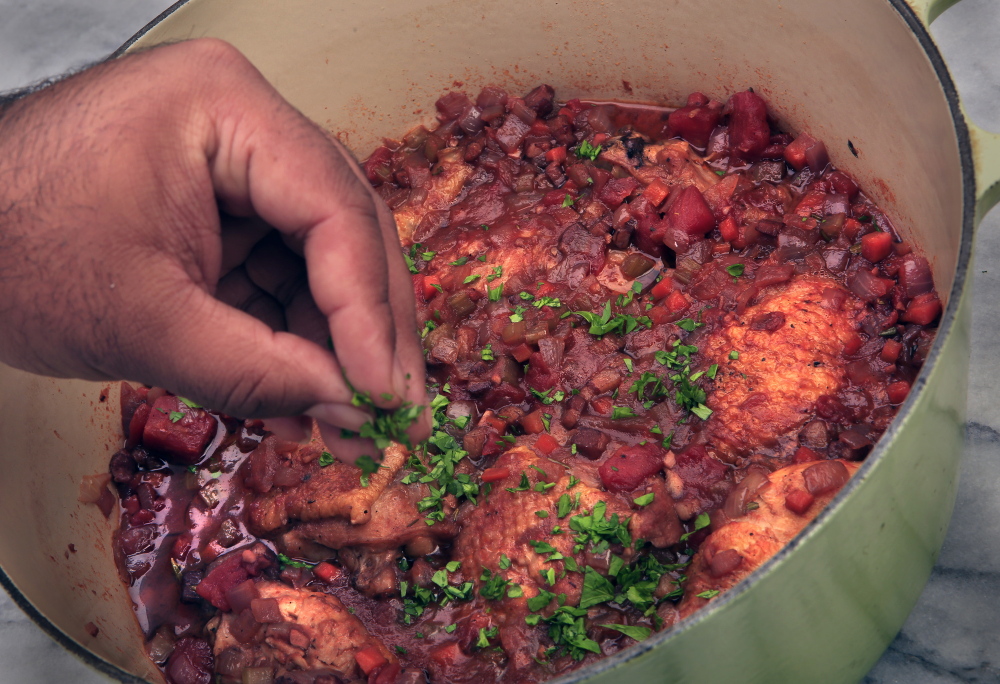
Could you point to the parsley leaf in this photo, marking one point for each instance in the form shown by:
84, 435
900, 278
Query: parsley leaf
325, 459
735, 270
588, 151
700, 523
487, 353
644, 500
634, 631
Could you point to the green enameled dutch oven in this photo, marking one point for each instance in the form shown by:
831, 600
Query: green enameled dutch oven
864, 71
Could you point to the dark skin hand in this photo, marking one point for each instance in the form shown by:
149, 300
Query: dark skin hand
169, 218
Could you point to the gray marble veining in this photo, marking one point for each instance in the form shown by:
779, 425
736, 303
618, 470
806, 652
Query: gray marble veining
953, 634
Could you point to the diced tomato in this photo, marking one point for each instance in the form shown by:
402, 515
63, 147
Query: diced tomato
494, 421
629, 466
922, 309
843, 184
137, 424
555, 197
851, 228
876, 246
220, 579
616, 190
662, 288
694, 122
556, 154
690, 212
676, 302
432, 286
546, 443
804, 454
521, 352
853, 344
599, 138
495, 474
539, 375
369, 659
540, 127
181, 432
327, 572
659, 315
656, 192
533, 423
749, 132
798, 501
729, 229
795, 152
813, 202
897, 392
891, 351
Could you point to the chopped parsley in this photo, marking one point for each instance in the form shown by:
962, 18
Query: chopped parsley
487, 353
462, 261
497, 273
471, 279
604, 323
700, 523
567, 200
619, 412
688, 324
518, 314
711, 593
588, 151
495, 293
735, 270
734, 355
291, 563
325, 459
644, 500
635, 631
547, 301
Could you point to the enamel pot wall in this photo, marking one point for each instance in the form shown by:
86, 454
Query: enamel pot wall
864, 71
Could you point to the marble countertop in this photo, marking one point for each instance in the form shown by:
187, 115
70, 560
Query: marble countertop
953, 634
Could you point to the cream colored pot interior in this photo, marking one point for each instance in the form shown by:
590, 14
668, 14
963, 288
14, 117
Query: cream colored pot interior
846, 70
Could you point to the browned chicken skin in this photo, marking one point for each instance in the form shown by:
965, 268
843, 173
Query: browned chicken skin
318, 634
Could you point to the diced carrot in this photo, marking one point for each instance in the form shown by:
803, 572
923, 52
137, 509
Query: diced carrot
659, 314
730, 231
891, 351
556, 154
539, 127
327, 572
851, 228
876, 246
656, 192
599, 138
798, 501
795, 151
898, 391
804, 454
369, 659
494, 421
546, 443
663, 288
495, 474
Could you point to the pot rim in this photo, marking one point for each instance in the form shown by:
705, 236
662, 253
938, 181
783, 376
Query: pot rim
922, 33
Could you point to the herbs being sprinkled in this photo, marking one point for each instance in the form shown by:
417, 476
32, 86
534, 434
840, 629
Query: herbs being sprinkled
433, 463
389, 425
587, 151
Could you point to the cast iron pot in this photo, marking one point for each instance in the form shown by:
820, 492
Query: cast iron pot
864, 71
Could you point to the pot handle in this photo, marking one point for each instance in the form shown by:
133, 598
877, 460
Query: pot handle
985, 145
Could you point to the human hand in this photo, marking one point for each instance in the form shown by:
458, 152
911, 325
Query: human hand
114, 262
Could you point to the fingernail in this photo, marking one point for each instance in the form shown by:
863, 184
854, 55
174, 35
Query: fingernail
400, 382
341, 415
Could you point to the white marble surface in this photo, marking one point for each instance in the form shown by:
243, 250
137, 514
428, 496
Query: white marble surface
953, 634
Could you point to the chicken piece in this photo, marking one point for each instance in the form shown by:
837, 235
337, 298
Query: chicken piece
395, 521
318, 633
674, 162
328, 491
443, 190
505, 523
741, 546
772, 388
